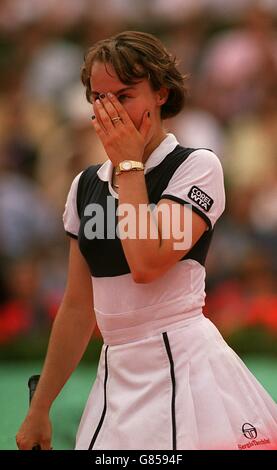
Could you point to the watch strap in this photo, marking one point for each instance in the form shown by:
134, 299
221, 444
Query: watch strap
133, 165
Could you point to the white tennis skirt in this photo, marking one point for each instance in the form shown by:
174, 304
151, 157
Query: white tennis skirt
184, 388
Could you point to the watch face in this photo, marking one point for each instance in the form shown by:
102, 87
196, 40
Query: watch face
126, 165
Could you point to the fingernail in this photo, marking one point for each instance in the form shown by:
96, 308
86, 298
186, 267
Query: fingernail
102, 96
92, 117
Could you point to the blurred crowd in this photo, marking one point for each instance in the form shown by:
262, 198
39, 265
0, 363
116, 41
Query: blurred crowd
228, 50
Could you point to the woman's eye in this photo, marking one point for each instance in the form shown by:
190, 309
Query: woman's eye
122, 98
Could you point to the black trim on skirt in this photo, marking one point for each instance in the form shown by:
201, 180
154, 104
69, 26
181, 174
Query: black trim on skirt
105, 403
172, 373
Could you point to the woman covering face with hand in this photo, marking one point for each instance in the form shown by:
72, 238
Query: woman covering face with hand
140, 227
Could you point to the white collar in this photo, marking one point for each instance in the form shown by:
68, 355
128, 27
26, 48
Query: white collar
155, 158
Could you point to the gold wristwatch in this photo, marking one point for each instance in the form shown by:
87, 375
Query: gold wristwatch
128, 165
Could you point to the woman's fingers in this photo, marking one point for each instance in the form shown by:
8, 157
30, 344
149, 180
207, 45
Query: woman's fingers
106, 117
120, 111
99, 129
111, 110
108, 110
45, 445
36, 444
103, 118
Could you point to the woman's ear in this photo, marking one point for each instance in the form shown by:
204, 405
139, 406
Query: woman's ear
162, 96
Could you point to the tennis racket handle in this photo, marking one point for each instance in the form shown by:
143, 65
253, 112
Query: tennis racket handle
32, 384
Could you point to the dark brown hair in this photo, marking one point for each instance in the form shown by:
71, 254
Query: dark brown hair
135, 55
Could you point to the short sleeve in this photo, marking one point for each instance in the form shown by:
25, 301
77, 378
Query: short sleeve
71, 220
199, 181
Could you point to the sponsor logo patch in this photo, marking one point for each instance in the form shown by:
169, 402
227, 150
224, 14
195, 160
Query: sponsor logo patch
200, 198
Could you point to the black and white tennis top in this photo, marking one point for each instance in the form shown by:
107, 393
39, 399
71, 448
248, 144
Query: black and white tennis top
185, 175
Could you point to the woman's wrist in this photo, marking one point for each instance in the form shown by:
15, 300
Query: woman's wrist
39, 408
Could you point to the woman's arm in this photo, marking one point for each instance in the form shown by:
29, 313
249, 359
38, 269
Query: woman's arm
152, 256
71, 332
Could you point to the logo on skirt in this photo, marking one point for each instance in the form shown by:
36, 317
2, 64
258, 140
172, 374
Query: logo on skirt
249, 431
250, 444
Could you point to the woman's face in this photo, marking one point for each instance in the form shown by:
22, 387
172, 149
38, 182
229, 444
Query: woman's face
136, 98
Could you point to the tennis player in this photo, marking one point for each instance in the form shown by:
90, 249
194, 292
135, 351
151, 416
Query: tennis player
166, 378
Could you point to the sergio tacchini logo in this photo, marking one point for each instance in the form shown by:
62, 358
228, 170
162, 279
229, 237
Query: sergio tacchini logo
249, 431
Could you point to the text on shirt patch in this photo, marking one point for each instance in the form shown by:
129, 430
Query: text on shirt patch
199, 197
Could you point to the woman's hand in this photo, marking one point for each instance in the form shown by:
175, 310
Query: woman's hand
121, 139
35, 430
